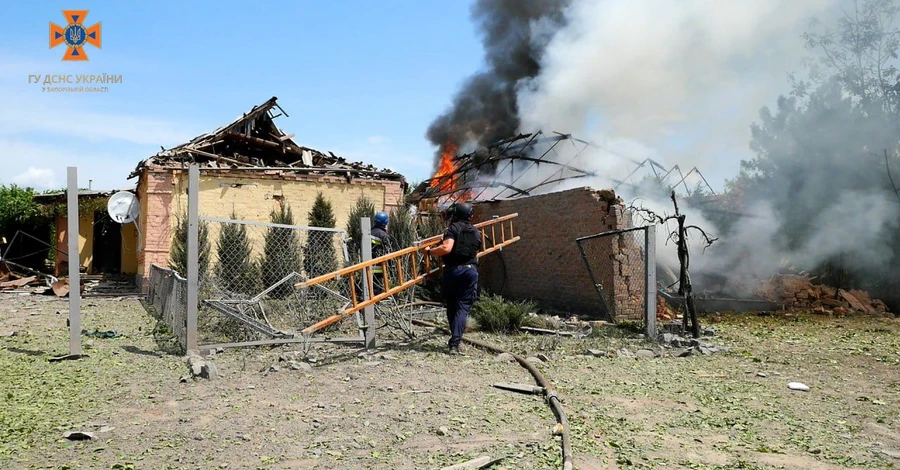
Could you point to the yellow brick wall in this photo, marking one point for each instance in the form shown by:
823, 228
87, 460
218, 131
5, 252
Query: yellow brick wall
129, 249
255, 198
85, 241
250, 196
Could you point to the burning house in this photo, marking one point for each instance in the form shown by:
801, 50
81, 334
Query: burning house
531, 175
249, 167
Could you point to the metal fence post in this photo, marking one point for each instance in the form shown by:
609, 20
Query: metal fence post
193, 254
74, 263
650, 287
368, 312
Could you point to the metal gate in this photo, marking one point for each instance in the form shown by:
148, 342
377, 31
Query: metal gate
622, 267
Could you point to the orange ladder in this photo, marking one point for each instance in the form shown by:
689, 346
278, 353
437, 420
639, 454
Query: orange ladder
420, 270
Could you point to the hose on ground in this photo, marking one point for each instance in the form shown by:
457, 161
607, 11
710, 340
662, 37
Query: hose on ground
549, 393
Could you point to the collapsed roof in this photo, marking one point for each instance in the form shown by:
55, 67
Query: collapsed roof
253, 142
485, 174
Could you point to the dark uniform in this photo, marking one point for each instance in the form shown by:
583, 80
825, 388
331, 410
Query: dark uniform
460, 281
381, 245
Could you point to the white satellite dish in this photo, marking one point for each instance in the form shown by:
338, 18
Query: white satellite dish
123, 207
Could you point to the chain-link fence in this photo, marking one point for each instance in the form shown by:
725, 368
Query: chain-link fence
167, 295
248, 272
621, 265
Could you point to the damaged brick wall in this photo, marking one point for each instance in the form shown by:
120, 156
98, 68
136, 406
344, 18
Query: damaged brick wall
155, 193
546, 265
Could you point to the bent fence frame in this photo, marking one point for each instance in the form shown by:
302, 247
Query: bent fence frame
420, 270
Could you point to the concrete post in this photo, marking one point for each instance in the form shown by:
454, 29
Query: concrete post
368, 312
74, 263
193, 254
650, 287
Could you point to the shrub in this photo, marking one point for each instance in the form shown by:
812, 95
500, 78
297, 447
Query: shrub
281, 253
364, 207
318, 255
402, 227
178, 252
497, 315
235, 270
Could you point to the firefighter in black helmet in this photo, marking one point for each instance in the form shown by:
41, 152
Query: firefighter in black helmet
459, 251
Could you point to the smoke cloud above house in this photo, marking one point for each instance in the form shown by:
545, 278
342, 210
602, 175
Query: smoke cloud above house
678, 82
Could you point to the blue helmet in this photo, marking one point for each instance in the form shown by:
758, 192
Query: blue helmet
381, 219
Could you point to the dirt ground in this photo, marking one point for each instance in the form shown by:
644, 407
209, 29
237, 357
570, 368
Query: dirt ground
410, 406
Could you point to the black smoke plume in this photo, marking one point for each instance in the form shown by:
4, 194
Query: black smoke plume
514, 34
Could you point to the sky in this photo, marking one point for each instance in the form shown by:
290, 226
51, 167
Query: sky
362, 79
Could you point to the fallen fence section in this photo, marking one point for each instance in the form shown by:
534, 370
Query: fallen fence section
247, 293
402, 269
168, 296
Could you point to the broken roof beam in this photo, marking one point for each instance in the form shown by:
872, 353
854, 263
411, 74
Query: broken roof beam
316, 170
254, 140
215, 157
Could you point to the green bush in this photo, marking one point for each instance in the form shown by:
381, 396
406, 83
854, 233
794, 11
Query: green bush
319, 256
281, 253
235, 270
364, 207
178, 252
495, 314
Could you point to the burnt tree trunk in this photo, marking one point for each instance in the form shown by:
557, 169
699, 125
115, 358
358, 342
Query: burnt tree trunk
684, 278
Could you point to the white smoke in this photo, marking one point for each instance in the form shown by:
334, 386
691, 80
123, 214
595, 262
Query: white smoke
685, 77
680, 82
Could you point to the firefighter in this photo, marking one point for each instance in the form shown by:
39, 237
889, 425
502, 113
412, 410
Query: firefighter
381, 245
459, 252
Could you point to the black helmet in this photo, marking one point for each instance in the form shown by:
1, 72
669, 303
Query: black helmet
462, 211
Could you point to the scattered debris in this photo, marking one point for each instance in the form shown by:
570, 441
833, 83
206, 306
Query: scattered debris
18, 282
624, 353
101, 334
202, 368
481, 462
67, 357
798, 291
505, 357
521, 388
663, 310
544, 331
78, 435
675, 340
558, 429
645, 353
798, 386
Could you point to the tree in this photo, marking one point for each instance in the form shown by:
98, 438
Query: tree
364, 207
402, 227
319, 255
860, 52
281, 252
19, 211
178, 252
822, 154
236, 272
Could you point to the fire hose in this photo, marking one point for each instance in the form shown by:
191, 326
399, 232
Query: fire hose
549, 394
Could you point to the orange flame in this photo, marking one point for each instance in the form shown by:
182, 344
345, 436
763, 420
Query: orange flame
443, 178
